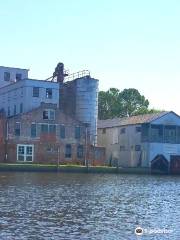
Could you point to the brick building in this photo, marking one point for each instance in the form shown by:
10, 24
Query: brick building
47, 135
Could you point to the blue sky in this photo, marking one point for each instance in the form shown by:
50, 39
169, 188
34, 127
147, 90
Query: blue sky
132, 43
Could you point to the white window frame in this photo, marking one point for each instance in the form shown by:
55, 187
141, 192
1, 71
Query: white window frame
25, 152
49, 114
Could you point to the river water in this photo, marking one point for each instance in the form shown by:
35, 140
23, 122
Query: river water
88, 206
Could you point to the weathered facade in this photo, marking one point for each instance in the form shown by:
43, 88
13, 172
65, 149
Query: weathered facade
150, 140
47, 135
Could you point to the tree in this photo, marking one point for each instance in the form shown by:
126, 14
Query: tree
128, 102
133, 102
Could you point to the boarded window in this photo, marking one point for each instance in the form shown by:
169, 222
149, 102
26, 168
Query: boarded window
77, 132
7, 76
80, 151
17, 129
33, 130
49, 93
35, 91
68, 151
62, 132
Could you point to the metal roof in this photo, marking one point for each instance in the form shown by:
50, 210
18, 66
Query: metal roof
139, 119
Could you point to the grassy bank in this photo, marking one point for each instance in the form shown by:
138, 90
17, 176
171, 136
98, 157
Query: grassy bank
70, 168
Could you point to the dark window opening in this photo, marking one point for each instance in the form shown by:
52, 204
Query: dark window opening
44, 128
62, 132
6, 76
35, 91
49, 93
123, 130
21, 107
138, 129
104, 131
122, 148
17, 129
33, 130
52, 128
14, 109
68, 151
137, 148
77, 132
18, 76
80, 151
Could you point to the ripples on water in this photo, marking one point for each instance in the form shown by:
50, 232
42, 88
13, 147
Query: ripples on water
87, 206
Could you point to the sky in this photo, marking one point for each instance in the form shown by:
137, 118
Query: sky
124, 43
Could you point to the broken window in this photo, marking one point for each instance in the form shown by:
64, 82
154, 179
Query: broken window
49, 93
49, 114
137, 148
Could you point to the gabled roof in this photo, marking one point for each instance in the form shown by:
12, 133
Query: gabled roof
139, 119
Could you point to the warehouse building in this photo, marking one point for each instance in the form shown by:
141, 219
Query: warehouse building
150, 140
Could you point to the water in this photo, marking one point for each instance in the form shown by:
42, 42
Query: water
88, 206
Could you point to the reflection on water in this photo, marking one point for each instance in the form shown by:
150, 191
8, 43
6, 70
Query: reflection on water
87, 206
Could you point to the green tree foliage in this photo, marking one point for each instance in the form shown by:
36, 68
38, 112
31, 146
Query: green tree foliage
128, 102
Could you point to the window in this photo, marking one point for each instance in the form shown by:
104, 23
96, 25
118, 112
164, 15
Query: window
7, 76
17, 129
104, 131
68, 151
21, 107
18, 76
62, 132
123, 130
49, 93
49, 114
33, 130
52, 128
122, 148
9, 111
44, 128
138, 129
77, 132
35, 92
80, 151
14, 109
25, 153
137, 148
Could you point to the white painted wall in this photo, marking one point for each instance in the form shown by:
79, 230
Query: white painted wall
22, 92
13, 72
